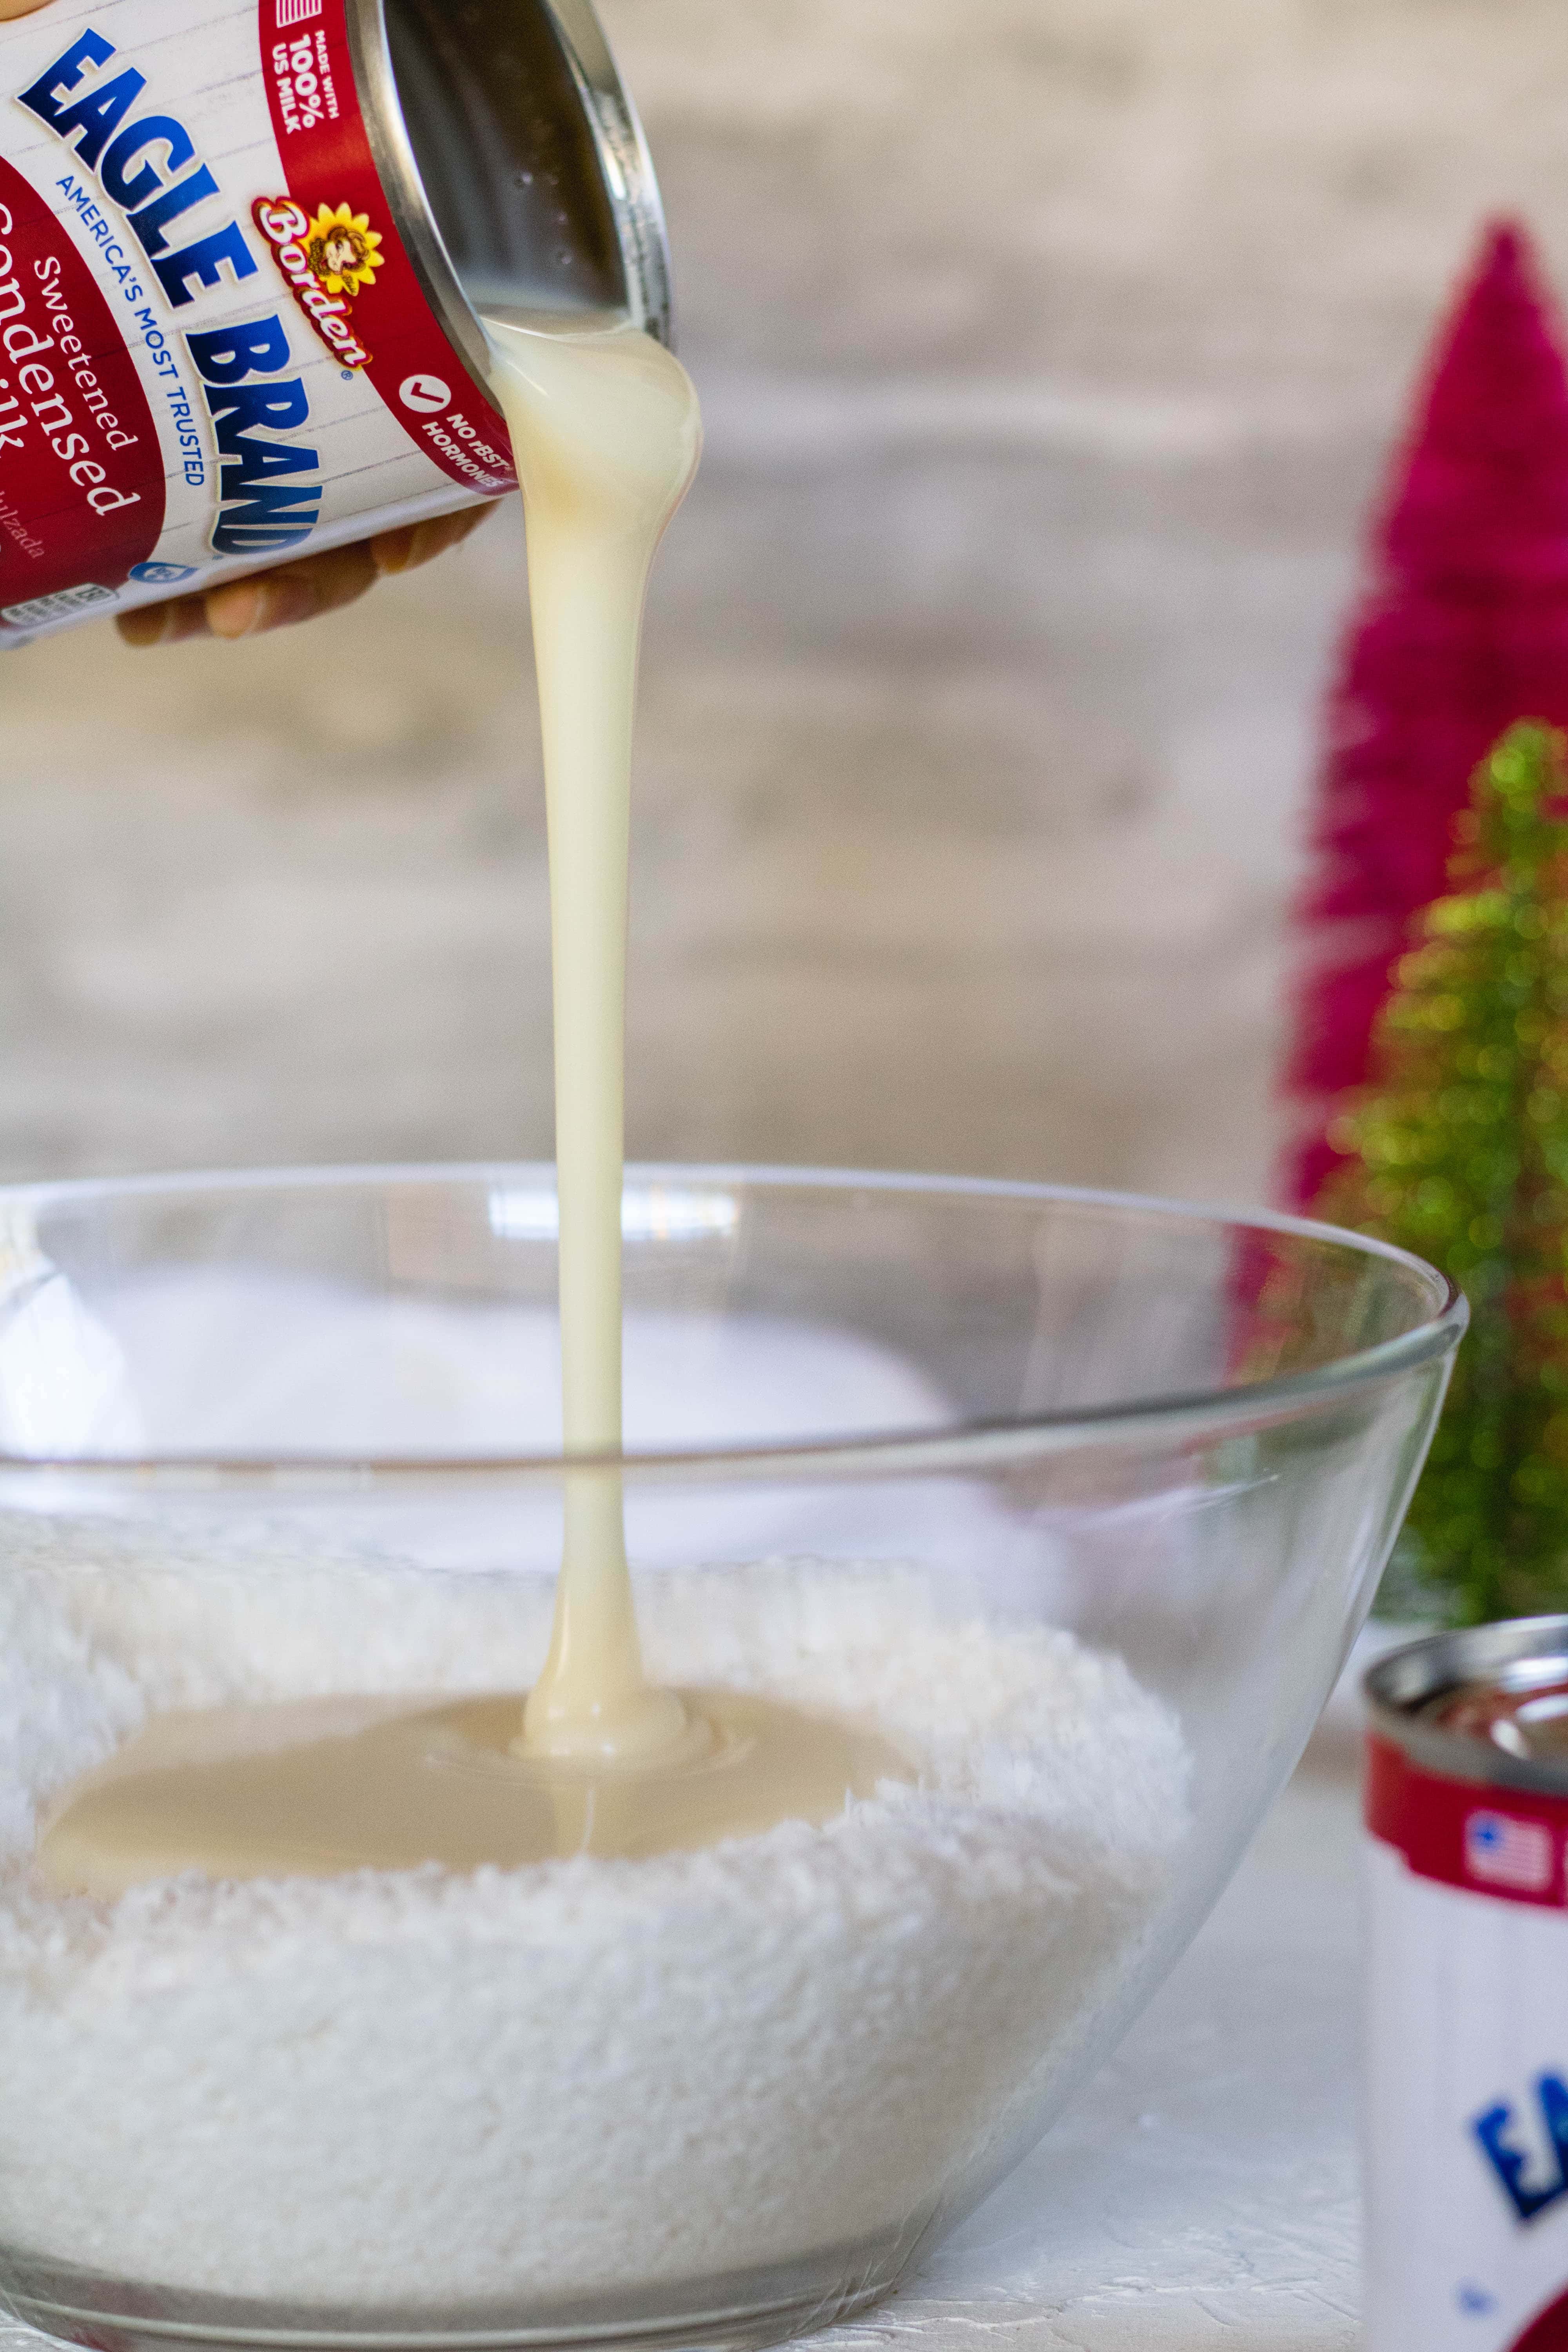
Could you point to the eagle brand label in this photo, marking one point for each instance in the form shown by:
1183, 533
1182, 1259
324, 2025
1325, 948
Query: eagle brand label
214, 354
1467, 2112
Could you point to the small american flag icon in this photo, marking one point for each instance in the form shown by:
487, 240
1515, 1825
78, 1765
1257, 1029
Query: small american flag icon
1502, 1851
295, 11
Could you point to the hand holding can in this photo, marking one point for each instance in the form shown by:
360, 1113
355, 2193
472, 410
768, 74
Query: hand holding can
184, 404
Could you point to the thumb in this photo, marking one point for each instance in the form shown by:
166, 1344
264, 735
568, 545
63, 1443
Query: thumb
9, 8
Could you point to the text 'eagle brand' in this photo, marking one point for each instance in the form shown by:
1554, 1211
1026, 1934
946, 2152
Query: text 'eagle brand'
146, 163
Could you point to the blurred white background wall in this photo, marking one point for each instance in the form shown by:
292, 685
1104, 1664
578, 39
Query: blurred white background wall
1048, 348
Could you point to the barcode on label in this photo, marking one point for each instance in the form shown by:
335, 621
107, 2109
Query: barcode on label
295, 11
53, 608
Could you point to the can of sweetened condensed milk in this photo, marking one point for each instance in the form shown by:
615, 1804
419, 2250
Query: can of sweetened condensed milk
1466, 1898
243, 252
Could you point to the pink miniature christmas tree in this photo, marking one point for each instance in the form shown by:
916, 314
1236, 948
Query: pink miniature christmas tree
1462, 630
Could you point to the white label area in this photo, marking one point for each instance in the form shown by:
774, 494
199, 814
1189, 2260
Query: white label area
1467, 2115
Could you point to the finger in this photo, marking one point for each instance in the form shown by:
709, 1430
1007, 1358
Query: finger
166, 623
296, 592
9, 8
416, 542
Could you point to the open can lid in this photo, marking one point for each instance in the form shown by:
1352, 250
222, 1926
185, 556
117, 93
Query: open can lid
1486, 1702
515, 164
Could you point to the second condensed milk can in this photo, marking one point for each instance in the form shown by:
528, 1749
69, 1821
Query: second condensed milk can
1466, 1887
242, 264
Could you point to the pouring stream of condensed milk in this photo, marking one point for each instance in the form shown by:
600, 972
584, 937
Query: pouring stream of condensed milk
606, 430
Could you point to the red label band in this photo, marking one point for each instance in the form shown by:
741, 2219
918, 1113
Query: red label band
81, 475
334, 246
1505, 1843
1548, 2332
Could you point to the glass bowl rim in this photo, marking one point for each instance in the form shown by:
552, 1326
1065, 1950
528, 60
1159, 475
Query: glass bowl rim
988, 1443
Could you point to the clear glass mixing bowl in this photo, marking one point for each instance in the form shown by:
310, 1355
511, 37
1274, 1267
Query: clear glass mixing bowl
1082, 1499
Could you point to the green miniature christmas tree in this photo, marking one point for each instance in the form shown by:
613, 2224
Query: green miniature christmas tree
1459, 1152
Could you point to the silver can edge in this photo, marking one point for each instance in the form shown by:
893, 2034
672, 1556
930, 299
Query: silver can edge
1423, 1669
624, 154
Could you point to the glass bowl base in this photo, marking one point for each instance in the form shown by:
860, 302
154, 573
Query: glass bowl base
736, 2311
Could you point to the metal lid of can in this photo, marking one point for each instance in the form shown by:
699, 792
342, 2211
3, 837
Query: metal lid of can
1487, 1703
514, 162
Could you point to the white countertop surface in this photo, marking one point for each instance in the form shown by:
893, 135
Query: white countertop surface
1204, 2190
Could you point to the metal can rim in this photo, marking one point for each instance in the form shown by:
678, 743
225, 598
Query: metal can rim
618, 136
1510, 1653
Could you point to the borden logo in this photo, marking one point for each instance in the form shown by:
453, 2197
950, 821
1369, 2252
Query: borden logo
342, 249
325, 262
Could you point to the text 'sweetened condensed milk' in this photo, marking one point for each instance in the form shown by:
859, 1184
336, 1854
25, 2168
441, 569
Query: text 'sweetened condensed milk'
1467, 1879
242, 250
